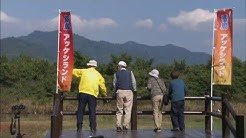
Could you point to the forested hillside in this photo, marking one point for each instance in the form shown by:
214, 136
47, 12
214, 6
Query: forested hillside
24, 77
44, 45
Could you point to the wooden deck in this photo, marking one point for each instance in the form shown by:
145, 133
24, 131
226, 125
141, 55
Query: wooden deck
142, 133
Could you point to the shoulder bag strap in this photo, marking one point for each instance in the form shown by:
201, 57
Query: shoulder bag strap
159, 85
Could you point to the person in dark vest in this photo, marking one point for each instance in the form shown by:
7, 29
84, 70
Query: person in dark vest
124, 84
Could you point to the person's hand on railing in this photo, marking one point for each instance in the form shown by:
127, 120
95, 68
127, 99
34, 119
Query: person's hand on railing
105, 101
114, 95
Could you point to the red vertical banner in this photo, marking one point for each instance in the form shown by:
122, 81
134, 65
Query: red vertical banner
223, 45
65, 52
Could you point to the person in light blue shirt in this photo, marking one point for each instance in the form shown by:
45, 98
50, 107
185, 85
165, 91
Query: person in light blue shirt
177, 93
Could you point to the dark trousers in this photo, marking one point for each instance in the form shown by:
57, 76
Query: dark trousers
177, 114
83, 100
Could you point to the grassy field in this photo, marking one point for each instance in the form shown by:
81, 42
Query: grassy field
35, 125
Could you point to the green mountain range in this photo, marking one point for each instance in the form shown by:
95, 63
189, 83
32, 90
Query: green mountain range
44, 45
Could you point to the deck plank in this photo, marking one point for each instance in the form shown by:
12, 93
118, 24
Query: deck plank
141, 133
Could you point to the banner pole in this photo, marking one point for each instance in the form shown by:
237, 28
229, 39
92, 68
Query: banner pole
212, 72
58, 43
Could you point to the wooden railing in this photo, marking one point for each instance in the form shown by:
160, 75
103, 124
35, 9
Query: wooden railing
227, 127
56, 117
238, 130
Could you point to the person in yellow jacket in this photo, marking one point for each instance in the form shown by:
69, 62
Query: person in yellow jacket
90, 83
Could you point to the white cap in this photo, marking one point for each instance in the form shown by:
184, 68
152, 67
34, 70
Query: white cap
154, 73
92, 63
122, 63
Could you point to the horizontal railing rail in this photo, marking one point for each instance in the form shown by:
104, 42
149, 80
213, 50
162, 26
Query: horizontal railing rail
215, 114
138, 98
138, 112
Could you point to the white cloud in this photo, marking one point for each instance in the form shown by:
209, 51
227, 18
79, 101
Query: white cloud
147, 23
19, 27
7, 18
101, 23
191, 20
87, 25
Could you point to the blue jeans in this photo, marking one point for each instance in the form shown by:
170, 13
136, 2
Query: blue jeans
83, 100
177, 114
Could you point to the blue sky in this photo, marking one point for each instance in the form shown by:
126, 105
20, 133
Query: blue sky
185, 23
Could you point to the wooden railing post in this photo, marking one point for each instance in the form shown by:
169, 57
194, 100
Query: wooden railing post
56, 118
134, 112
239, 126
55, 132
207, 115
225, 115
60, 111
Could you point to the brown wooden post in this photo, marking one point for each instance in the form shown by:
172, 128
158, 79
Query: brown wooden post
225, 115
60, 111
134, 112
207, 115
56, 118
240, 126
55, 133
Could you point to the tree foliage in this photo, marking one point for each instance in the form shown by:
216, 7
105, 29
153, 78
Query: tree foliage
24, 77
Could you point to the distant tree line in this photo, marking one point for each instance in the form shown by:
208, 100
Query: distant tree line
24, 77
